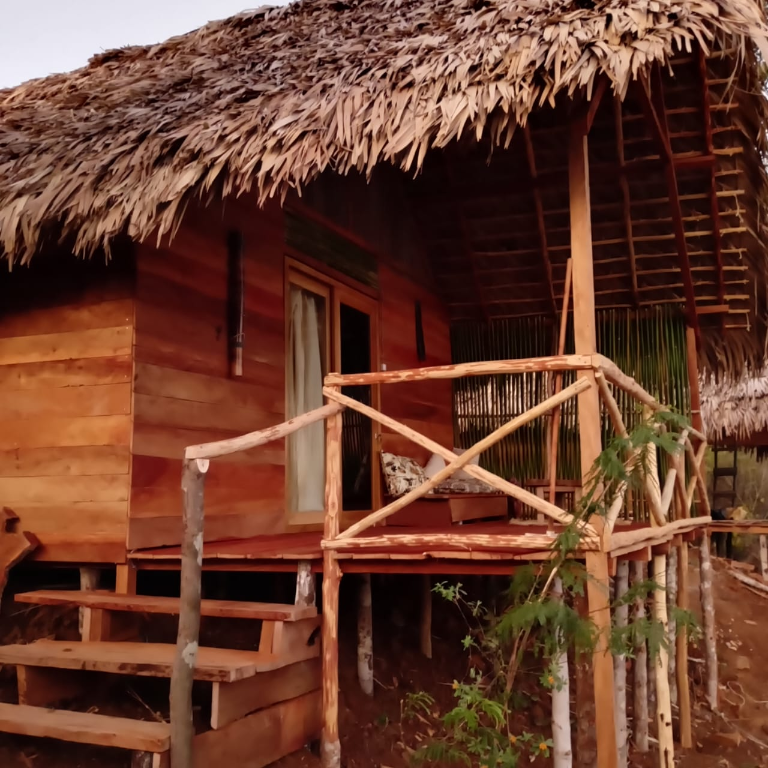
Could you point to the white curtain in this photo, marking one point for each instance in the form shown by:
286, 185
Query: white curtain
306, 448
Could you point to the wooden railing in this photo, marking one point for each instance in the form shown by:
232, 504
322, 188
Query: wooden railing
605, 373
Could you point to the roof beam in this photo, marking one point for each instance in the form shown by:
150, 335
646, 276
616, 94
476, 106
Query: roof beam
626, 202
714, 207
546, 261
652, 101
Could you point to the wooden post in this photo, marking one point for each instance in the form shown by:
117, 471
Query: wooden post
708, 619
683, 689
620, 663
562, 752
331, 747
763, 557
182, 727
589, 434
671, 628
89, 581
125, 579
365, 635
661, 667
426, 615
640, 667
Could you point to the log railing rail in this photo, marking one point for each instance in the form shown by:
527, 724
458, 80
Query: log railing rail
195, 467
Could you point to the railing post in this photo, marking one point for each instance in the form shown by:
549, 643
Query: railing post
331, 747
182, 727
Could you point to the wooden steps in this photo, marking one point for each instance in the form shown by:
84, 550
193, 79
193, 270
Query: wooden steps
85, 728
221, 665
109, 601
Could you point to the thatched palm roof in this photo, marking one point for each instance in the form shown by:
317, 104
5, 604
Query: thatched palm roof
735, 410
273, 97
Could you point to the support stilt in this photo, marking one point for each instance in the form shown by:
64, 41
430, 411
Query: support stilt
683, 688
562, 752
330, 750
89, 581
585, 341
671, 626
661, 666
426, 616
708, 619
763, 557
620, 664
365, 635
640, 667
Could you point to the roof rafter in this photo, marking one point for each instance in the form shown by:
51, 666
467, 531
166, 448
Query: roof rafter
714, 207
546, 261
652, 102
626, 201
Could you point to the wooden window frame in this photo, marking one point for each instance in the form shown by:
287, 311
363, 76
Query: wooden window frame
337, 290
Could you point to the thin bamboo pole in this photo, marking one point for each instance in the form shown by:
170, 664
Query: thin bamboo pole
182, 726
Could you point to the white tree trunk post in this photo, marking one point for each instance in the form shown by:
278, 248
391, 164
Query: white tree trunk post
305, 584
182, 726
640, 667
671, 626
562, 751
764, 557
708, 620
620, 664
89, 581
365, 635
661, 666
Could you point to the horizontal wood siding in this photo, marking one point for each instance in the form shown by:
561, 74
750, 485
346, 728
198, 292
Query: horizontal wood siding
183, 391
66, 328
426, 405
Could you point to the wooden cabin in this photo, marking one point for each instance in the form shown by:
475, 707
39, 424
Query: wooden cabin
201, 234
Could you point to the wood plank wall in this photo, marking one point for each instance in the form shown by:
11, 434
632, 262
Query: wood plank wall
183, 391
426, 406
66, 329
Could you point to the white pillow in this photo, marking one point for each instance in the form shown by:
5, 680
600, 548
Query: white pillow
436, 463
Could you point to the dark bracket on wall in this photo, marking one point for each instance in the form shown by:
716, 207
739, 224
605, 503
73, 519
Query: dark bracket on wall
235, 302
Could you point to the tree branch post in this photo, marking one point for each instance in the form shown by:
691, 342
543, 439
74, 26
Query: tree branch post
182, 726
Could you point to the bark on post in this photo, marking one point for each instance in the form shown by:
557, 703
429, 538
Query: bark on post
330, 752
763, 557
661, 666
426, 616
671, 627
708, 620
562, 751
640, 666
365, 635
620, 663
182, 727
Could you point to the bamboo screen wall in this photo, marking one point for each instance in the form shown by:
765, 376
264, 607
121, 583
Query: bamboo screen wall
647, 344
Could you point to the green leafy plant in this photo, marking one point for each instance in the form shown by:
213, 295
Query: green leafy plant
533, 623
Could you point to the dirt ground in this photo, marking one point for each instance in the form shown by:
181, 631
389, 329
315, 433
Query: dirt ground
373, 733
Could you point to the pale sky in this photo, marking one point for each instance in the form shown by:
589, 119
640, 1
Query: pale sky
40, 37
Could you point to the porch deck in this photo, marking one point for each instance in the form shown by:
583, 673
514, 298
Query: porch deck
479, 548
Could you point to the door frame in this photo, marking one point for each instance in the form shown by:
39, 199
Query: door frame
339, 290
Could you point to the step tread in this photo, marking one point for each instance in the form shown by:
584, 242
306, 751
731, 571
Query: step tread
85, 728
110, 601
144, 659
